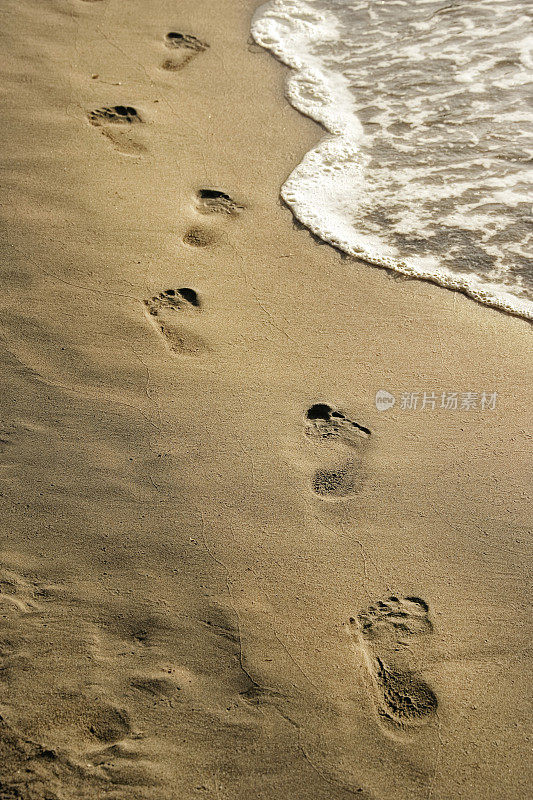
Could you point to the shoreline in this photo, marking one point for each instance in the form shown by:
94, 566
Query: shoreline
309, 179
396, 272
189, 552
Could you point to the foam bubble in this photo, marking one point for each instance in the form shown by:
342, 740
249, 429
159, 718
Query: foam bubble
424, 129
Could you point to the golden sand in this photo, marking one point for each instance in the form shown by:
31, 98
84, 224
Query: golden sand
206, 591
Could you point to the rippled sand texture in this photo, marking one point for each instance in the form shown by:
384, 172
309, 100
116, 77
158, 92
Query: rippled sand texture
436, 178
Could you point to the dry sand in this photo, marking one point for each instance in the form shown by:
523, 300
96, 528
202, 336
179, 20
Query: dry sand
195, 579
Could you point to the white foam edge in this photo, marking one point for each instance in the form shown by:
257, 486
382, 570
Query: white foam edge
287, 28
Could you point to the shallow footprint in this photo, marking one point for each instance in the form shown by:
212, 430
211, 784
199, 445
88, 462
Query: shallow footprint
120, 762
116, 122
184, 47
16, 593
167, 310
109, 724
211, 201
156, 689
388, 633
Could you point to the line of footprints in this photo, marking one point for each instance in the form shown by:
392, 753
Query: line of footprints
117, 123
171, 308
168, 310
390, 633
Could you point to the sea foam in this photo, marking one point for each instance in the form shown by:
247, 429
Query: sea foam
423, 167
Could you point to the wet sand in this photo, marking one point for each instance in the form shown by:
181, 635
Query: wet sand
225, 573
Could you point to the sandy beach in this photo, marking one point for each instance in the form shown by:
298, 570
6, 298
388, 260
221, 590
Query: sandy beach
224, 574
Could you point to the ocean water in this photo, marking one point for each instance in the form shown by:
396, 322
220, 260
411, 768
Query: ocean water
426, 161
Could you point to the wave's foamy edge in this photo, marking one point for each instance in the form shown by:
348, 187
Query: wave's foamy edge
287, 28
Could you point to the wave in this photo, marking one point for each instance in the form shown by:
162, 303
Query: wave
334, 191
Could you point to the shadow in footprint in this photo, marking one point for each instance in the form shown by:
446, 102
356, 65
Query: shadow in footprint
166, 311
199, 237
338, 481
389, 634
123, 766
211, 201
184, 48
109, 724
115, 115
189, 295
324, 422
155, 689
173, 299
116, 124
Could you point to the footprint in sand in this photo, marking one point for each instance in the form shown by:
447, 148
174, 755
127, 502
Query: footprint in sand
210, 201
33, 769
199, 237
344, 477
108, 724
16, 593
118, 123
124, 768
392, 635
167, 311
324, 422
29, 768
119, 762
340, 480
213, 201
155, 689
184, 47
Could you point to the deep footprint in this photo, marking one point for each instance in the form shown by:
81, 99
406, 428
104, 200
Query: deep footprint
117, 124
199, 237
115, 115
339, 481
324, 422
173, 299
389, 634
211, 201
167, 310
184, 47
